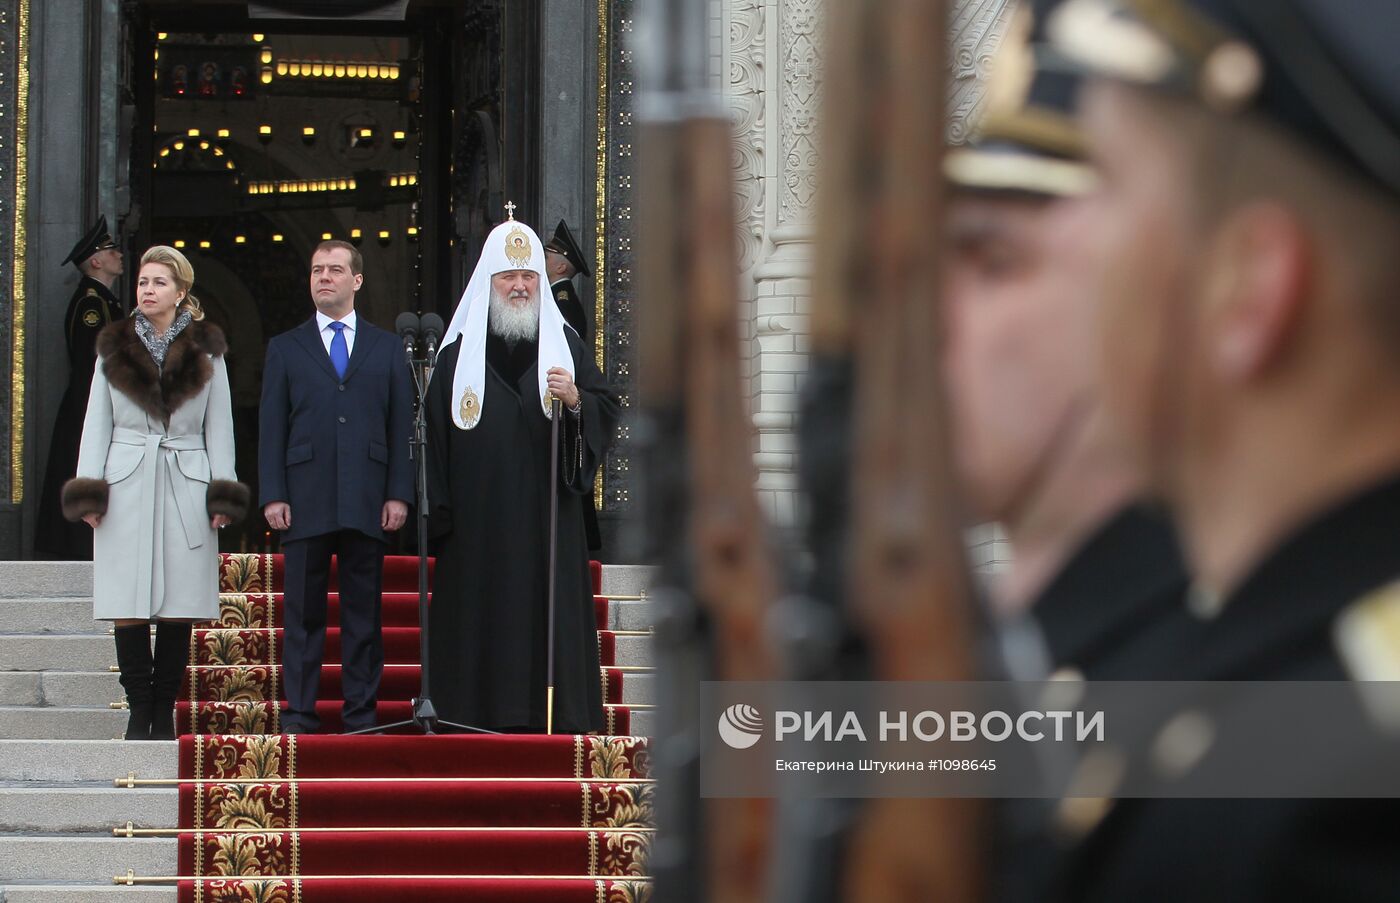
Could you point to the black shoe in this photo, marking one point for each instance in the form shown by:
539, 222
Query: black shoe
134, 660
171, 658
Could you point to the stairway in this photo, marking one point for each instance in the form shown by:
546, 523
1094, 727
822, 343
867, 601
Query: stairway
60, 810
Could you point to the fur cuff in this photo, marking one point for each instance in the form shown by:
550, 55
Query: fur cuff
82, 496
229, 498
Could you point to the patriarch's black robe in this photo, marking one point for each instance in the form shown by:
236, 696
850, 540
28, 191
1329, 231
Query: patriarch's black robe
489, 513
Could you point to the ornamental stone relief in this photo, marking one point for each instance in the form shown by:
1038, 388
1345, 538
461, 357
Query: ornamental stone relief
747, 34
800, 41
977, 29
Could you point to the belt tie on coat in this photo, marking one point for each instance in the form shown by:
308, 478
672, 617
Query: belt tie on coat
159, 462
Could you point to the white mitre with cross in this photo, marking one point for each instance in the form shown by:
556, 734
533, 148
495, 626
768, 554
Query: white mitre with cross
511, 246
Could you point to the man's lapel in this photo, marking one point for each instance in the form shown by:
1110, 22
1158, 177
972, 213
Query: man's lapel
309, 337
365, 337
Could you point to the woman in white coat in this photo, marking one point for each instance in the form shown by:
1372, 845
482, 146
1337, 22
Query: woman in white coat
156, 481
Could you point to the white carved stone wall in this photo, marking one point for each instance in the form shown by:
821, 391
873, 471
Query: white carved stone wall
770, 72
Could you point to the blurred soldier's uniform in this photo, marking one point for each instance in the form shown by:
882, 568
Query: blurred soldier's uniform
1121, 571
1026, 432
1254, 373
92, 307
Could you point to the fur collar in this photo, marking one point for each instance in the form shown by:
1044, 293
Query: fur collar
132, 372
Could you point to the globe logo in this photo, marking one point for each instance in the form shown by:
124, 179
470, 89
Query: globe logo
740, 726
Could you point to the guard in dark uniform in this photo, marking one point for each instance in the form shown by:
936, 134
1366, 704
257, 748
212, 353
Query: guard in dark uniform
1095, 570
94, 304
1244, 237
563, 260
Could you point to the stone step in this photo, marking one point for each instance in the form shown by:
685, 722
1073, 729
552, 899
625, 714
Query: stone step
634, 651
74, 723
639, 689
50, 616
70, 761
63, 617
644, 723
626, 579
94, 689
86, 893
52, 579
45, 579
92, 808
59, 688
631, 615
90, 859
42, 652
33, 723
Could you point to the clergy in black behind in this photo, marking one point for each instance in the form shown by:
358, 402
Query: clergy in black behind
488, 481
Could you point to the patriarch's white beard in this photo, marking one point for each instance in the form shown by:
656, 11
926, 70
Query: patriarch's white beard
514, 321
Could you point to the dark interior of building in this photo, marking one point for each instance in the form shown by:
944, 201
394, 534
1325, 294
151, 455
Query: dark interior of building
250, 141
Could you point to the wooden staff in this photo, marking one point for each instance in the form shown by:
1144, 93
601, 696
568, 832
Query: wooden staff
716, 580
877, 289
556, 411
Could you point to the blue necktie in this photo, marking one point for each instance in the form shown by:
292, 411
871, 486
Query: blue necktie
340, 352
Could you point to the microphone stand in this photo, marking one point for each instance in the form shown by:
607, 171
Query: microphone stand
424, 717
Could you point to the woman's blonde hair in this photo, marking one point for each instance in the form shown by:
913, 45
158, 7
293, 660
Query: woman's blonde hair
184, 275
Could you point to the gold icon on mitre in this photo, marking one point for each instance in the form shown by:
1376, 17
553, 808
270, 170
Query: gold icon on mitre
518, 247
470, 409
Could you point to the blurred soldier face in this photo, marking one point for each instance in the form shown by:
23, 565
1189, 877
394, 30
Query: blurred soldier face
333, 284
1141, 240
1018, 360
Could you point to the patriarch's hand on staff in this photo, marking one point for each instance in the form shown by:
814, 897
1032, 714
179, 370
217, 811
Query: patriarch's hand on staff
219, 521
279, 515
395, 513
561, 386
92, 520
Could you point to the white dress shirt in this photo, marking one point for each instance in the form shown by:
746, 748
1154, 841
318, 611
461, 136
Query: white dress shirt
327, 334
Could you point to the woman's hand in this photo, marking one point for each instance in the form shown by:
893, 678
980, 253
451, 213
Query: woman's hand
92, 520
220, 520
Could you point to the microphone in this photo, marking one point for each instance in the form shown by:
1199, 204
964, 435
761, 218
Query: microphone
431, 328
407, 327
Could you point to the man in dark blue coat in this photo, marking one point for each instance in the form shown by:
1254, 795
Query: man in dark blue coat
335, 476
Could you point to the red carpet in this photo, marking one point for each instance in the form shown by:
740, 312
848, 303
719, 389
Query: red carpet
282, 819
259, 646
259, 683
399, 609
417, 890
617, 852
266, 717
450, 756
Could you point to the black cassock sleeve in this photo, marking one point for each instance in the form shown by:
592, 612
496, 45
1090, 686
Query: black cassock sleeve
587, 434
440, 427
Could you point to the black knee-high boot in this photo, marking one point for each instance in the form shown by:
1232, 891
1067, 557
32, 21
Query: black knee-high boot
134, 660
172, 655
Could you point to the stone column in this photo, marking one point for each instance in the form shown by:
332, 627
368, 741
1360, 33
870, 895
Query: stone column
775, 162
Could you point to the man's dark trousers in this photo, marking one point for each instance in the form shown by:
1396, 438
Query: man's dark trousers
360, 566
335, 448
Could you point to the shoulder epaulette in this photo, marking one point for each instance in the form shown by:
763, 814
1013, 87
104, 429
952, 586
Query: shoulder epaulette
1367, 634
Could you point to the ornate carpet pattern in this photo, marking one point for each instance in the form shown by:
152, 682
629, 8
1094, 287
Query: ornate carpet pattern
266, 817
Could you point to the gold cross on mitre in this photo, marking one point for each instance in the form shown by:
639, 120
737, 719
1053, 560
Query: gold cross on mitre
510, 210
